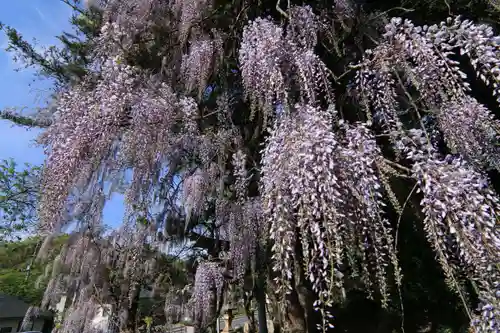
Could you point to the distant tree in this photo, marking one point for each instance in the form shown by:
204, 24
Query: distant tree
20, 273
64, 63
19, 192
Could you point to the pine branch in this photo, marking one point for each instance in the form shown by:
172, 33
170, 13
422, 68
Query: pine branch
24, 120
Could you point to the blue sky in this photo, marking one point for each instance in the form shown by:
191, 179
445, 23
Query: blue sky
41, 20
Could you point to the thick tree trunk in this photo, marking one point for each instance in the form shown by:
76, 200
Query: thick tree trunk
260, 286
133, 312
250, 313
260, 296
293, 317
296, 314
300, 316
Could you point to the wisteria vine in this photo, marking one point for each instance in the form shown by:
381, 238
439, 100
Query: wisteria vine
269, 162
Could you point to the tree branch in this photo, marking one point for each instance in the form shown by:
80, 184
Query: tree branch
24, 120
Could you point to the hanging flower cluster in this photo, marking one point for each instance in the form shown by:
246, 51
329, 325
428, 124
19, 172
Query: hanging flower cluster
89, 120
326, 186
92, 118
202, 60
88, 271
246, 234
424, 56
122, 118
195, 188
209, 283
460, 208
260, 56
460, 219
190, 12
274, 59
316, 188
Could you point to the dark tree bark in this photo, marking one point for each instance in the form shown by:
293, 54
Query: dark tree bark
131, 325
260, 296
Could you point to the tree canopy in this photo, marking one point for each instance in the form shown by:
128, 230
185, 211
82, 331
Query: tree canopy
19, 190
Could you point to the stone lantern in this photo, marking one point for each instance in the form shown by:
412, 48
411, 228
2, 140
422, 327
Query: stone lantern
188, 323
230, 306
228, 320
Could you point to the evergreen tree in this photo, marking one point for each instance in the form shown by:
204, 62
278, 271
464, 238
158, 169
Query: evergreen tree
18, 199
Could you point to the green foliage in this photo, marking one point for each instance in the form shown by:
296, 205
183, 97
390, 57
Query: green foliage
17, 255
22, 120
18, 198
27, 53
148, 321
19, 272
18, 283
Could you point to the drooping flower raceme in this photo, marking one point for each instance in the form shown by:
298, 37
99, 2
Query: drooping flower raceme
209, 282
460, 208
247, 235
189, 13
366, 210
275, 61
89, 120
309, 72
308, 184
195, 188
460, 220
202, 60
424, 56
90, 269
260, 56
480, 144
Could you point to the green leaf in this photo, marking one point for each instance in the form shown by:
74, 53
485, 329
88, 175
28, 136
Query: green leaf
18, 198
